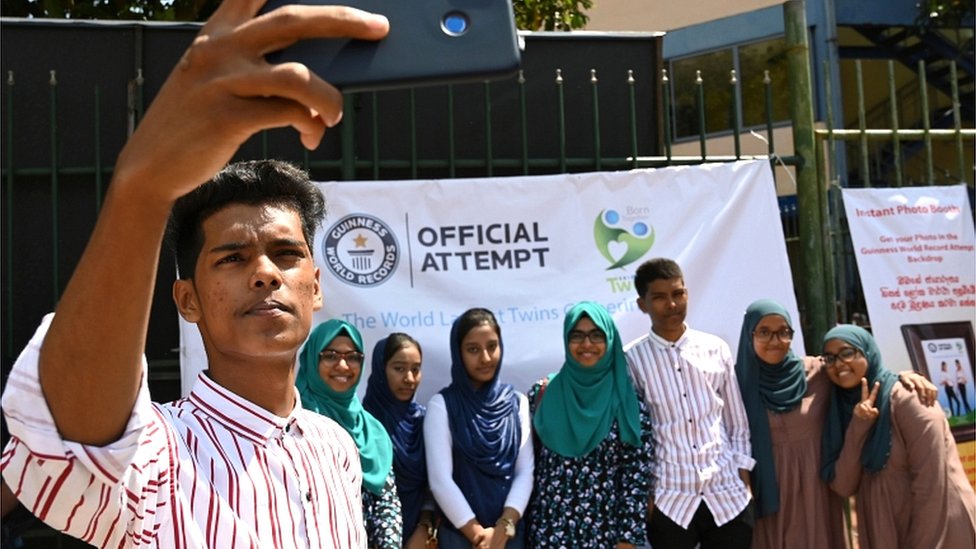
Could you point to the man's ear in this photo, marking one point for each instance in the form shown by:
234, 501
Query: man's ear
319, 301
185, 297
640, 305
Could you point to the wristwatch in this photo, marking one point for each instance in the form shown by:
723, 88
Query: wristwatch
509, 526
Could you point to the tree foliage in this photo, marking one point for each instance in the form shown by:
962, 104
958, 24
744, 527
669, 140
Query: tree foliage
551, 14
529, 14
139, 10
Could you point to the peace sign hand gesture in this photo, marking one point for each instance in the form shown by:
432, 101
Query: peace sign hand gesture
866, 409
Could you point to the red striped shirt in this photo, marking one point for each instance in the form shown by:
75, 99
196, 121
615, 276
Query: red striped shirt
210, 470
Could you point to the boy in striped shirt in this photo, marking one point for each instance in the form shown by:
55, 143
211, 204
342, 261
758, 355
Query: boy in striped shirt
238, 462
702, 454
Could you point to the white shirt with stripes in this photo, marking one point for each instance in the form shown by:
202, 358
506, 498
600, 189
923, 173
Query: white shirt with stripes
701, 432
209, 470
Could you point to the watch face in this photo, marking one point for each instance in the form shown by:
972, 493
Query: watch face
510, 530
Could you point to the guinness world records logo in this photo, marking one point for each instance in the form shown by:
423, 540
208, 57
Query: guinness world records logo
361, 250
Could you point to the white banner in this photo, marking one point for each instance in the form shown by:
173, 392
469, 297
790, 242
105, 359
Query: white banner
411, 256
914, 249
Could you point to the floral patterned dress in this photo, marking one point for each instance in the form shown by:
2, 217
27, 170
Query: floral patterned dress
593, 501
381, 513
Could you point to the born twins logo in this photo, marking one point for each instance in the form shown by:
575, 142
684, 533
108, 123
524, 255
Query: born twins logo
361, 250
610, 237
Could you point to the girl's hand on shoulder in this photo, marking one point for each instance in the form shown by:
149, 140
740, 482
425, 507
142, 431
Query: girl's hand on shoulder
866, 409
914, 381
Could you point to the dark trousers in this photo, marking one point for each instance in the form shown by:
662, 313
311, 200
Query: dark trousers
664, 533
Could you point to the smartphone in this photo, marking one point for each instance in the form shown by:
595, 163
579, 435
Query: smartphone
430, 42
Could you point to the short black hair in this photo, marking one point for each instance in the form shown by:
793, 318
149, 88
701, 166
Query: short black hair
257, 182
659, 268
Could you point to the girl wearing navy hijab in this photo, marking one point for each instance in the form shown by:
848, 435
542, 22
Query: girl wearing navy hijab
331, 367
390, 392
478, 443
897, 455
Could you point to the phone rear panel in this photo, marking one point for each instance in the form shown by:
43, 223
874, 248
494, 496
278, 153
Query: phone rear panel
430, 42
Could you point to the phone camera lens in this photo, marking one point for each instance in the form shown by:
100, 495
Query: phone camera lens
455, 23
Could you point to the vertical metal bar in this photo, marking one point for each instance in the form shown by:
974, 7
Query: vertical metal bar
375, 129
700, 104
957, 121
926, 123
831, 238
451, 150
413, 133
524, 123
827, 254
56, 278
138, 45
862, 125
9, 248
140, 94
831, 142
632, 98
347, 130
489, 153
895, 136
736, 129
561, 103
666, 95
133, 99
837, 259
98, 149
768, 89
596, 119
809, 192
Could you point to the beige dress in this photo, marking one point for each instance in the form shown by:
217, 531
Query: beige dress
922, 498
810, 515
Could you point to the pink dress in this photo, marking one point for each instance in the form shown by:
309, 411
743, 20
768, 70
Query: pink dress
922, 498
810, 515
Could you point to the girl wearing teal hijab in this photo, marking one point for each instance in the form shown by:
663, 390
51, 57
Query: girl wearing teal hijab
594, 463
786, 398
896, 454
331, 368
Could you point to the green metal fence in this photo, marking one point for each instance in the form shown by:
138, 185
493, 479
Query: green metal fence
882, 156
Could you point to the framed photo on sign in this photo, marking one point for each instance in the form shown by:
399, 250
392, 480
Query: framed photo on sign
943, 351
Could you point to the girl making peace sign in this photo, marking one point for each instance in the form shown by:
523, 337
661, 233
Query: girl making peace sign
896, 454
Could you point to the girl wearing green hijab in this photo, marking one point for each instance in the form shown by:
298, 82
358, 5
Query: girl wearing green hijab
594, 464
331, 368
786, 398
896, 454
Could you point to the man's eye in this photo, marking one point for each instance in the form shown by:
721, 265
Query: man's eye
230, 259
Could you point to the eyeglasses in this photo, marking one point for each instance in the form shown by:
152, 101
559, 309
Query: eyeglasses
330, 357
596, 337
846, 355
766, 335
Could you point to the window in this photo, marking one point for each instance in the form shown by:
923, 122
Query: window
750, 62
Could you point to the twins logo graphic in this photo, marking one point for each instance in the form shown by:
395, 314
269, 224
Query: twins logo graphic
361, 250
636, 241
